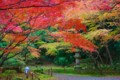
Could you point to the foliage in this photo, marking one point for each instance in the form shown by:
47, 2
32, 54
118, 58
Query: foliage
10, 72
115, 51
39, 71
53, 48
78, 42
25, 26
63, 60
90, 72
22, 23
61, 52
14, 62
103, 30
34, 51
94, 34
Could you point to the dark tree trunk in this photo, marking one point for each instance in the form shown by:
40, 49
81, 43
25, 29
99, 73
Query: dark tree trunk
96, 64
110, 57
2, 62
100, 57
25, 57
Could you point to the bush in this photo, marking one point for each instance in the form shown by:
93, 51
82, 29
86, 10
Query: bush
3, 75
116, 67
13, 64
86, 63
7, 74
64, 59
18, 78
10, 72
40, 70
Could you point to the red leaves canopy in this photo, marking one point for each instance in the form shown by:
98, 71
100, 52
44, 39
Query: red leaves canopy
43, 13
72, 23
34, 51
48, 12
12, 27
77, 40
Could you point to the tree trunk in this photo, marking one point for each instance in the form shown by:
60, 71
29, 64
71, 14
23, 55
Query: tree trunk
110, 57
100, 57
2, 62
25, 58
96, 64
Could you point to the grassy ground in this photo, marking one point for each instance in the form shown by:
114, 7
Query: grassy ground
71, 71
40, 76
21, 76
67, 70
90, 72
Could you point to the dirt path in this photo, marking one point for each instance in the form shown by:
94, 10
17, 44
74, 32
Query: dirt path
75, 77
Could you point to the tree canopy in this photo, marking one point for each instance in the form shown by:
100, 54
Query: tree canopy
20, 18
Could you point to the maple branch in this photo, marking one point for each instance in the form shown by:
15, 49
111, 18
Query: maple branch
115, 3
5, 49
22, 7
15, 3
36, 6
23, 39
10, 20
4, 57
13, 56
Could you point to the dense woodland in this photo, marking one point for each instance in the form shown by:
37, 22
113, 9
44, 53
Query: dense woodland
50, 32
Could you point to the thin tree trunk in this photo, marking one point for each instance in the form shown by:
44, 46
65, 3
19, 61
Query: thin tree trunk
110, 57
100, 57
2, 62
95, 62
25, 57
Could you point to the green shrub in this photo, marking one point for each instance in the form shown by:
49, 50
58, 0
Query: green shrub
14, 62
86, 63
40, 70
3, 75
18, 78
62, 61
9, 72
116, 67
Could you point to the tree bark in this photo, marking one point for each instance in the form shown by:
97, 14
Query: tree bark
110, 57
2, 62
100, 57
25, 57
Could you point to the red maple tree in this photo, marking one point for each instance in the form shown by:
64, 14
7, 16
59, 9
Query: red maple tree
15, 15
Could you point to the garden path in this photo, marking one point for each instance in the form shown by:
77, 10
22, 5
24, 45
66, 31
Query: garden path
75, 77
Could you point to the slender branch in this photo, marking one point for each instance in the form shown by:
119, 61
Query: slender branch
115, 4
20, 40
15, 3
37, 6
13, 56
